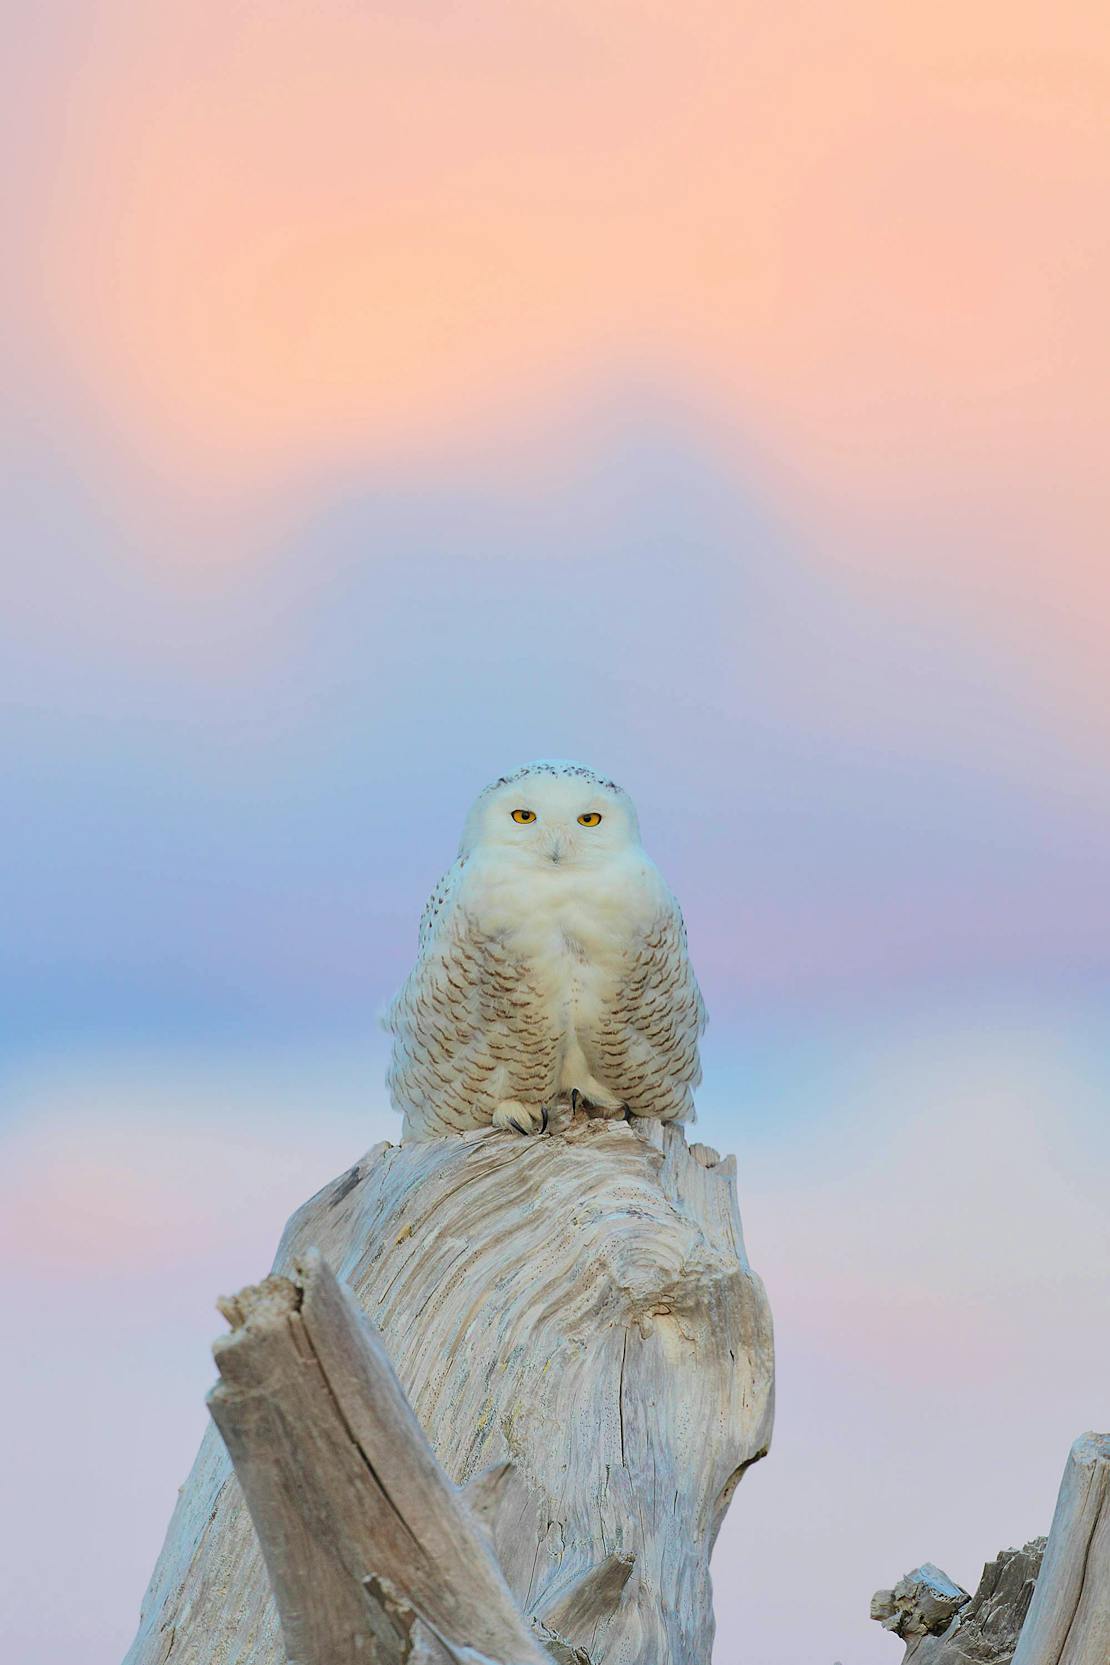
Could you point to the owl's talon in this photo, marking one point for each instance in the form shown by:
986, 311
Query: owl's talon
544, 1118
575, 1095
512, 1115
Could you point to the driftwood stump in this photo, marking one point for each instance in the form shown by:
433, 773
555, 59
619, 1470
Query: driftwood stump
575, 1314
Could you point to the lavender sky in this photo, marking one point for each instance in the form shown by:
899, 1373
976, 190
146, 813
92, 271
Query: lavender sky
713, 394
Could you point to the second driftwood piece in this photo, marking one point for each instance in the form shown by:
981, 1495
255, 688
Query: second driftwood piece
1069, 1617
1046, 1604
575, 1324
942, 1625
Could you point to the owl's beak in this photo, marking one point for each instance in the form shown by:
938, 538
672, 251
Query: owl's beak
555, 850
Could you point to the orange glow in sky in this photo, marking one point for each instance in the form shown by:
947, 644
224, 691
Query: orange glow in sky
870, 242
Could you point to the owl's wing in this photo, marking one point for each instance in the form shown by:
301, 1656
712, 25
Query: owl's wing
649, 1037
440, 1061
440, 904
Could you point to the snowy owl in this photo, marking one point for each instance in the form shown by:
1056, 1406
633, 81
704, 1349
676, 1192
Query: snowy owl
552, 969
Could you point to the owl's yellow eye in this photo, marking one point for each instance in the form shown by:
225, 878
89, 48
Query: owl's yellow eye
589, 820
524, 816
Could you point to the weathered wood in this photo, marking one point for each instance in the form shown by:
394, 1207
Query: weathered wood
1069, 1617
1046, 1604
575, 1324
942, 1625
344, 1489
922, 1603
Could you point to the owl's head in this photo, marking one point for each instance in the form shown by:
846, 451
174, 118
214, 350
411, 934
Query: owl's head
552, 812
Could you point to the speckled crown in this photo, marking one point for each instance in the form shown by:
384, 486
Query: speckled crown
563, 769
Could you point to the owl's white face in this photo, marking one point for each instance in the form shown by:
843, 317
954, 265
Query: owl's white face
556, 816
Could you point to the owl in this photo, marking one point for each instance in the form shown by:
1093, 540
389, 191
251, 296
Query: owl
552, 970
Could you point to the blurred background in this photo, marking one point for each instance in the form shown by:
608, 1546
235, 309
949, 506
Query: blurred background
714, 393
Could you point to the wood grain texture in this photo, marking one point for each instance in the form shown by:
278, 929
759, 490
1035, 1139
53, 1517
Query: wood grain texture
363, 1534
576, 1325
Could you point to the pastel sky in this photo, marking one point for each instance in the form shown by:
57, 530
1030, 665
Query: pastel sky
714, 393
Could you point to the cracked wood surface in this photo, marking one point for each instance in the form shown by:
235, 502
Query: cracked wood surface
575, 1324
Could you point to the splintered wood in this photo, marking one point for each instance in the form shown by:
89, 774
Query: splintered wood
350, 1505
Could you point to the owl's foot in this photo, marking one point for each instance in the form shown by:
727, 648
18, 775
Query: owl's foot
511, 1115
596, 1100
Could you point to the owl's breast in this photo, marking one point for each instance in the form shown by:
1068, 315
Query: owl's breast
572, 927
